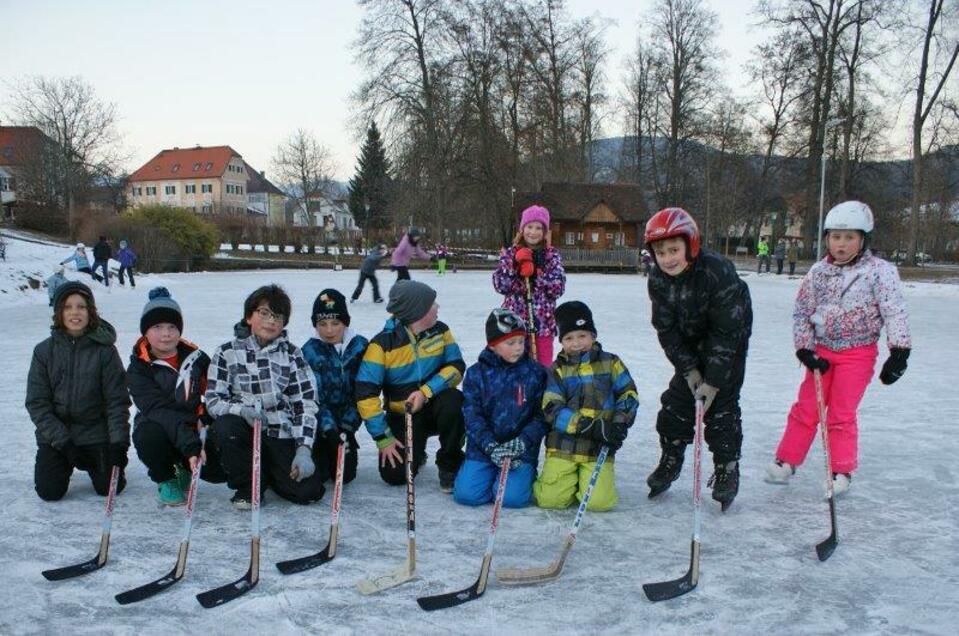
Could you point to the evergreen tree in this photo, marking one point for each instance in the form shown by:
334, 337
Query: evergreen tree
369, 189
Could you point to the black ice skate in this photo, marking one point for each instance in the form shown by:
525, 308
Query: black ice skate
725, 483
670, 465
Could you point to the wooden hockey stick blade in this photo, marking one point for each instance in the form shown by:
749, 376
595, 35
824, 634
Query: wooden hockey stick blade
825, 549
671, 589
79, 569
385, 581
230, 591
530, 576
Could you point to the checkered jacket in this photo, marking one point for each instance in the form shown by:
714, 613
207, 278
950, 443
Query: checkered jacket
242, 373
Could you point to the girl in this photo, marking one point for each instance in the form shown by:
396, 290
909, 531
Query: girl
533, 260
77, 397
408, 248
82, 263
842, 304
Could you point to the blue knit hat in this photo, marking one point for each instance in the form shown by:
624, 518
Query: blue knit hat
160, 308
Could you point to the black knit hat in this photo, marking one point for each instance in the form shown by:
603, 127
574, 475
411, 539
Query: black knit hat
70, 287
573, 316
160, 308
330, 304
502, 325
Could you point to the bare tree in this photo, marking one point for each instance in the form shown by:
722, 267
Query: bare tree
82, 127
305, 168
640, 86
588, 78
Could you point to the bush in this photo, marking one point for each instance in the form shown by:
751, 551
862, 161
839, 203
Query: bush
166, 238
49, 220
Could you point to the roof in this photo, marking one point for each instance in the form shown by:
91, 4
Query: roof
16, 143
186, 163
257, 182
573, 201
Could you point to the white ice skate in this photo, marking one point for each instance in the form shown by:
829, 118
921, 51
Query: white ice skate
779, 472
841, 482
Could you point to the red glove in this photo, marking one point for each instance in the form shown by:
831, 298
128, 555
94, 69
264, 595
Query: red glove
524, 262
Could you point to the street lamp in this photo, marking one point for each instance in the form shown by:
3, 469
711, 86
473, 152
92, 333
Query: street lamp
830, 123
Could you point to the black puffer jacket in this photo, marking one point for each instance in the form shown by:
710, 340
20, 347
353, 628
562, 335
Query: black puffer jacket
170, 397
77, 390
703, 317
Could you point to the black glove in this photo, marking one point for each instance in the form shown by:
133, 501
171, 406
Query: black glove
813, 362
72, 452
117, 455
332, 435
894, 366
610, 433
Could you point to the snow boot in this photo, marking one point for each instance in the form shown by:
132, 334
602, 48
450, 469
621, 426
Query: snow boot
779, 472
725, 483
241, 501
169, 493
670, 465
446, 480
841, 482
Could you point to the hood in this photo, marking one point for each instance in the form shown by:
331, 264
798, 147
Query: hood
241, 331
141, 349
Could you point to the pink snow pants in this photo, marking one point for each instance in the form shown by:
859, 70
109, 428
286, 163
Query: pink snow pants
843, 387
544, 350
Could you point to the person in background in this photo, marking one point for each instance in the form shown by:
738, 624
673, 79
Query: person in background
406, 249
127, 259
368, 273
792, 255
102, 252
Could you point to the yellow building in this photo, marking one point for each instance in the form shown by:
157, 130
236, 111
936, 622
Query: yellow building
208, 180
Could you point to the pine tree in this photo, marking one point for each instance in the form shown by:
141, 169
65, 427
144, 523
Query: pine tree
369, 189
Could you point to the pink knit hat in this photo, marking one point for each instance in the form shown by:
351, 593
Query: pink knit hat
535, 213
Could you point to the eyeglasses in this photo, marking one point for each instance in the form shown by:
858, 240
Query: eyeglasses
266, 314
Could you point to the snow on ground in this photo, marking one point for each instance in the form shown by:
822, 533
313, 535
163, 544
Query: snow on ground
895, 570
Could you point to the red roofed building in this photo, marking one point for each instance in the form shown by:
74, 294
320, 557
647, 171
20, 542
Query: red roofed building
21, 158
210, 180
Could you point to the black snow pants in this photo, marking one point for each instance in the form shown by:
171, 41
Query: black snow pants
442, 416
52, 470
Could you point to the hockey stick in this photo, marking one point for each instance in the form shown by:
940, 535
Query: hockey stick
155, 587
407, 571
326, 554
230, 591
686, 583
531, 329
473, 592
528, 576
825, 548
100, 559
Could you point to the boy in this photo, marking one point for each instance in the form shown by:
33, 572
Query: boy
335, 358
590, 401
414, 360
502, 406
167, 378
703, 315
259, 374
368, 273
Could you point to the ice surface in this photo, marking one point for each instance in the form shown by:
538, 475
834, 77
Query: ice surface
895, 570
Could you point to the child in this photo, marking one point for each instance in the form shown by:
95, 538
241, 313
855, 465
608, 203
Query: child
590, 401
703, 316
532, 258
442, 255
502, 406
843, 303
77, 398
414, 360
335, 358
127, 259
406, 249
368, 273
167, 379
259, 374
81, 262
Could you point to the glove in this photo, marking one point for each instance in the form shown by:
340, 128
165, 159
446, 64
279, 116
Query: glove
611, 433
116, 455
331, 435
72, 452
512, 449
813, 362
693, 378
303, 466
707, 393
250, 413
894, 366
524, 262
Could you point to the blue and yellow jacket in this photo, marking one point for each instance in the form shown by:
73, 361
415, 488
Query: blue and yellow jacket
594, 384
396, 363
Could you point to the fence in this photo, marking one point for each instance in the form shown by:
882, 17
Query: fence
627, 258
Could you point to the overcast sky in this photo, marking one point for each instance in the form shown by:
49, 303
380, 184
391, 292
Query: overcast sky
248, 73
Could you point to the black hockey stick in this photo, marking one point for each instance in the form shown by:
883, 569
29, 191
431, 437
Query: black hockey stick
686, 583
153, 588
326, 554
530, 328
825, 548
230, 591
473, 592
100, 559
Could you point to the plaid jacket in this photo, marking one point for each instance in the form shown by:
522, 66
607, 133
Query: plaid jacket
275, 376
596, 384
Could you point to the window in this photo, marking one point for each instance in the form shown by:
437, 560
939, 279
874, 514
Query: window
239, 189
175, 168
570, 238
196, 166
136, 191
206, 188
151, 191
190, 189
209, 166
207, 209
594, 237
169, 189
579, 236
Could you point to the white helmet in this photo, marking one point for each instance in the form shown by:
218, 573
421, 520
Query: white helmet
81, 246
850, 215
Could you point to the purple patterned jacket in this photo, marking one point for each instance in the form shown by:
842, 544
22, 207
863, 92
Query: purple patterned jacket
548, 285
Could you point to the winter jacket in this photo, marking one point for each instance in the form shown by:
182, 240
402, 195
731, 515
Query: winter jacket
168, 396
548, 284
126, 257
335, 375
79, 260
780, 252
703, 317
405, 251
762, 249
372, 261
845, 307
397, 363
77, 391
102, 251
502, 401
792, 253
593, 384
274, 377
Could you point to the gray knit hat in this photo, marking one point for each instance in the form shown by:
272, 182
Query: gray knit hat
160, 308
410, 300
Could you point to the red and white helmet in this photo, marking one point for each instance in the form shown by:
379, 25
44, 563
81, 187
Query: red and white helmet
670, 222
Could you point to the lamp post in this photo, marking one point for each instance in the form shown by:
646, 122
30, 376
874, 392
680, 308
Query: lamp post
830, 123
